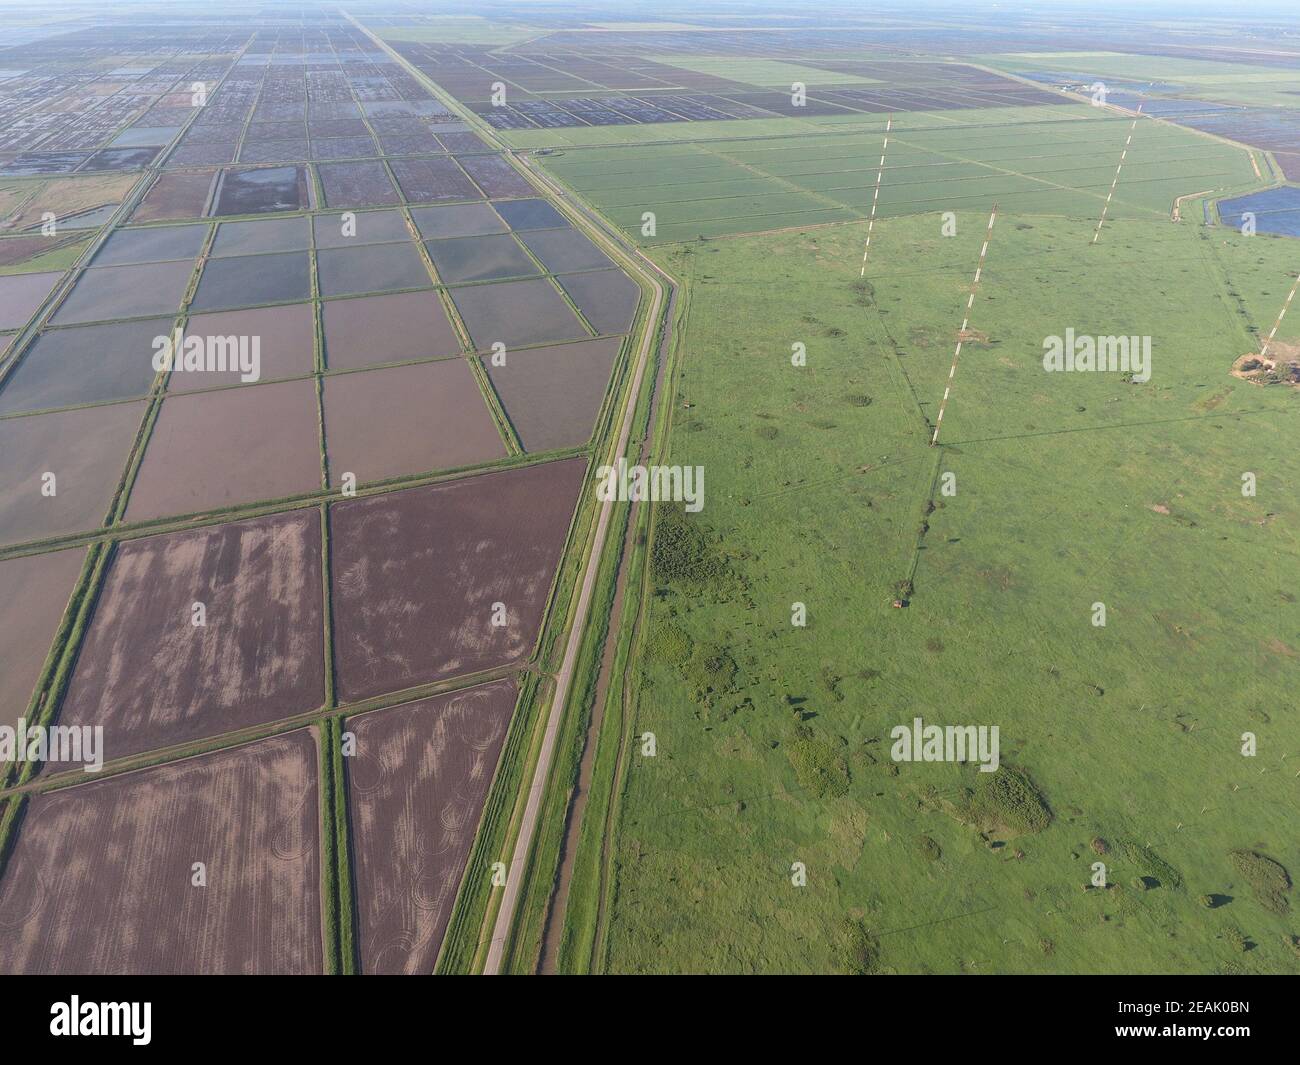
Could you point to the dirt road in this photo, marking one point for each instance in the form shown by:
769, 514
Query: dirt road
564, 677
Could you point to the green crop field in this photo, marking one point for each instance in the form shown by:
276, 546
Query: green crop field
1062, 166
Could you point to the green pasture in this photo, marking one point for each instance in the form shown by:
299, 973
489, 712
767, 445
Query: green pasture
1070, 490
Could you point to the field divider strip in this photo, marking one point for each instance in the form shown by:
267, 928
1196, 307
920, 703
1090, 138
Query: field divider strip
1119, 166
1286, 304
875, 196
791, 186
134, 763
961, 333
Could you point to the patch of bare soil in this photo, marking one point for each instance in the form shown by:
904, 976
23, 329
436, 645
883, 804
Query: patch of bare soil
1281, 366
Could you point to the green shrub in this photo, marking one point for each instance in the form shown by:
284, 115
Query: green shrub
668, 643
1009, 798
859, 950
683, 554
822, 770
711, 670
1149, 863
831, 682
1268, 880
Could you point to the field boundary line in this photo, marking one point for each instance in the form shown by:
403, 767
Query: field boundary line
518, 867
1006, 171
791, 186
875, 196
563, 677
1118, 167
961, 333
1277, 324
636, 611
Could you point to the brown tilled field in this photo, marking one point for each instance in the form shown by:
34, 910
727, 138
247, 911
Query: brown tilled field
153, 679
416, 788
417, 573
101, 878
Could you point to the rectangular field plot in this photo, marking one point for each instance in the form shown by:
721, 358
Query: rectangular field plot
396, 327
84, 364
247, 280
274, 151
34, 592
190, 153
457, 220
286, 339
186, 469
428, 180
407, 420
118, 855
565, 249
363, 184
125, 292
370, 268
486, 258
154, 679
416, 788
495, 176
151, 245
606, 298
32, 252
516, 313
395, 144
85, 451
364, 227
1276, 210
416, 573
530, 214
176, 195
263, 190
343, 147
267, 235
22, 294
552, 395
